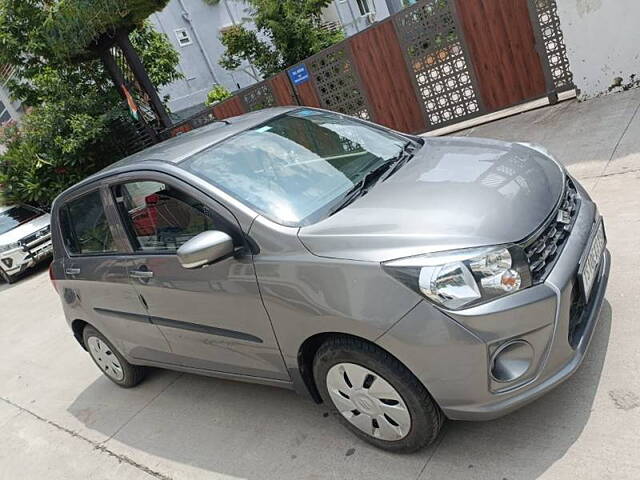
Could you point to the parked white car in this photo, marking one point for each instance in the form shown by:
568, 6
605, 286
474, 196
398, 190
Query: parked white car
25, 239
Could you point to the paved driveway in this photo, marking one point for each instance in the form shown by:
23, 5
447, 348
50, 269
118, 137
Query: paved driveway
59, 418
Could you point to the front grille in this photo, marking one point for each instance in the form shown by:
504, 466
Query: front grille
543, 249
35, 239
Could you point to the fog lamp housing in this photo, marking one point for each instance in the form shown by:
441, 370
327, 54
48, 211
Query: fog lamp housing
511, 361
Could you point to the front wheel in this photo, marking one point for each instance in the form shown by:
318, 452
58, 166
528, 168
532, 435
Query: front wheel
110, 361
6, 277
376, 396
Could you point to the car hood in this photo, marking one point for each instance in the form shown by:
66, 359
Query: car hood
454, 193
27, 228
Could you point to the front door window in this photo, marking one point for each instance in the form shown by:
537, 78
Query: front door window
160, 218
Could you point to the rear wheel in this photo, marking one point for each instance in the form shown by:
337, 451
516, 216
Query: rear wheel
376, 396
110, 361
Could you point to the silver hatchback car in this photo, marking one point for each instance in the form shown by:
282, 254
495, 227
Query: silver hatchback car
399, 280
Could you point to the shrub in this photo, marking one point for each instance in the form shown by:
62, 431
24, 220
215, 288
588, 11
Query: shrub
59, 143
217, 94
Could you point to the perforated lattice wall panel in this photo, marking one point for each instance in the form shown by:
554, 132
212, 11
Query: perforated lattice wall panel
259, 97
337, 82
436, 58
549, 24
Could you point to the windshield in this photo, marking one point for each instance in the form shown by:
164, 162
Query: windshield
16, 216
293, 168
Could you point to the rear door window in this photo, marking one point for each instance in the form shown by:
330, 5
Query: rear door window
85, 227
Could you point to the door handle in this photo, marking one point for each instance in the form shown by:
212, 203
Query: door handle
141, 274
72, 271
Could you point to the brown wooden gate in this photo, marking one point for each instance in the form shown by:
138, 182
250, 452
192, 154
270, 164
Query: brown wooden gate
377, 54
502, 44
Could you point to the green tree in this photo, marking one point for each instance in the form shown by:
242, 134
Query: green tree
38, 35
77, 118
286, 32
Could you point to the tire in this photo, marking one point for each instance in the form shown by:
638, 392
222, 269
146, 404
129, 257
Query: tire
6, 277
102, 352
402, 419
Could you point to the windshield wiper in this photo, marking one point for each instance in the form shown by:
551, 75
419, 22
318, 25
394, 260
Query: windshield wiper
379, 173
362, 186
403, 157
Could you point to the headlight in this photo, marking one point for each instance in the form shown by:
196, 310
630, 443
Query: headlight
463, 278
9, 246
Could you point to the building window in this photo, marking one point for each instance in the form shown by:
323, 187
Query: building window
183, 37
363, 6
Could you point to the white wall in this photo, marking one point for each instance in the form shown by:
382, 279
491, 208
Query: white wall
9, 110
603, 43
330, 13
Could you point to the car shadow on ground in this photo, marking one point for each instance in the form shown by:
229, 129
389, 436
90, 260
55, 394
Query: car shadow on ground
256, 432
524, 444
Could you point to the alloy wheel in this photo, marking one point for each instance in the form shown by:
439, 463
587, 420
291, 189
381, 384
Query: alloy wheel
368, 401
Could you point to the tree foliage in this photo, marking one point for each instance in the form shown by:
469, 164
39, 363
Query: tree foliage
77, 118
286, 32
68, 29
58, 144
43, 34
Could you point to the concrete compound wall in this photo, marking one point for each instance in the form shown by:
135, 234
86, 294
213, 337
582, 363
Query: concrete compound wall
603, 43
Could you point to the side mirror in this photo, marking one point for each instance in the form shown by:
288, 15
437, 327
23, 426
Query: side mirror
205, 248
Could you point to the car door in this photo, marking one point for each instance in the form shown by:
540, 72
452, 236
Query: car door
213, 317
96, 287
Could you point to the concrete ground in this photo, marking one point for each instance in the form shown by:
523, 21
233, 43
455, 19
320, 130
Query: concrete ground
60, 418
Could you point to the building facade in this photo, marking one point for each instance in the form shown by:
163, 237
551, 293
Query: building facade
194, 28
356, 15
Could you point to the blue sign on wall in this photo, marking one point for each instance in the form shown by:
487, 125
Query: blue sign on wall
299, 74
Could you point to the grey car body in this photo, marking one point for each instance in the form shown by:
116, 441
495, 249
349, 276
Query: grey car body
26, 244
261, 316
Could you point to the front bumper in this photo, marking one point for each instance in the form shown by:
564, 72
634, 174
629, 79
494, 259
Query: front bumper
450, 352
15, 261
561, 364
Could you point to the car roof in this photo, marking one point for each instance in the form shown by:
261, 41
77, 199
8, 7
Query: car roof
187, 144
4, 208
177, 149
